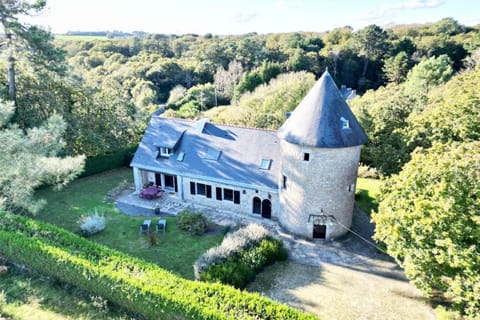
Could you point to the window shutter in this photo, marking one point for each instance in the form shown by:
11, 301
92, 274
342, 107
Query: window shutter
219, 193
192, 187
236, 197
209, 191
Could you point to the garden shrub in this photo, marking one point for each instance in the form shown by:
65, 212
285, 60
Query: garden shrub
232, 244
194, 223
136, 285
240, 269
365, 171
92, 224
240, 256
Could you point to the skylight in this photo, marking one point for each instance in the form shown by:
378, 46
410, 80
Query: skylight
212, 154
181, 156
265, 164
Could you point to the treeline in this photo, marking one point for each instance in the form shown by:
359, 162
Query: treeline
107, 89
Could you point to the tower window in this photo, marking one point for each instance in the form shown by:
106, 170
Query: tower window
351, 187
345, 123
306, 156
284, 182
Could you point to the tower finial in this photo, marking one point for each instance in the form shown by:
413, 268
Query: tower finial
326, 69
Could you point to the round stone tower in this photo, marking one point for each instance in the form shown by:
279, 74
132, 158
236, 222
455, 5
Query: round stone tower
320, 145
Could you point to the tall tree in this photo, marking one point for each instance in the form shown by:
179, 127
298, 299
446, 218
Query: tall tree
427, 74
428, 218
25, 40
226, 80
396, 68
371, 44
29, 160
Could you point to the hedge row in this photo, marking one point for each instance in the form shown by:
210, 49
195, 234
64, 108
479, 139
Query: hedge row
134, 284
98, 164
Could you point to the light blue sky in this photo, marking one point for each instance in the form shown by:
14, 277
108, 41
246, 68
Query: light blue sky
242, 16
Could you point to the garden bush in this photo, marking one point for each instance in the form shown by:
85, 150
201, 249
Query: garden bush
240, 256
136, 285
240, 269
194, 223
90, 225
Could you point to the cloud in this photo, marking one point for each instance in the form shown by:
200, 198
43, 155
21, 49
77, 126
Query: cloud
244, 17
388, 9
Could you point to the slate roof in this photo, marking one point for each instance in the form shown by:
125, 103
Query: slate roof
323, 119
241, 151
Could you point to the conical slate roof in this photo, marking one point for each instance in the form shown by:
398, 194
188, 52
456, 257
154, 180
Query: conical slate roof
323, 119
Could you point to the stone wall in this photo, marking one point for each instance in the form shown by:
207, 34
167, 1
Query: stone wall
326, 182
246, 195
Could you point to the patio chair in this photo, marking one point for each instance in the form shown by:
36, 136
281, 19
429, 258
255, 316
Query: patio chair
161, 225
145, 226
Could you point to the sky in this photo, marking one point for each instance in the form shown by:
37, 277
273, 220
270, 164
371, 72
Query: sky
224, 17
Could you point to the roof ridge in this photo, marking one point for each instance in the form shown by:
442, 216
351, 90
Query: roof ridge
242, 127
216, 123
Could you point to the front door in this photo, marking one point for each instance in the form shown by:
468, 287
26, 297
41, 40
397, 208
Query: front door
319, 231
171, 182
266, 209
158, 179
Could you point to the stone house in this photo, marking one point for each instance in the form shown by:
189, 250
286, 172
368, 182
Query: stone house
303, 175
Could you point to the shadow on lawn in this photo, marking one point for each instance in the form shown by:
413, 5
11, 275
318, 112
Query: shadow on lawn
34, 291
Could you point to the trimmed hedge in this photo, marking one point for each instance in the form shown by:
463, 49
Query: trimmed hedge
134, 284
117, 159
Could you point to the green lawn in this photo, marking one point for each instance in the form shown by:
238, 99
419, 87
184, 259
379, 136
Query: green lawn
367, 193
32, 296
175, 250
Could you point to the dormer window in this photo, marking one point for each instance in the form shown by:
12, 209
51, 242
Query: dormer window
345, 123
164, 152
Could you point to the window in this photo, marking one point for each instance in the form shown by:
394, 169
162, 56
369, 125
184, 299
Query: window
212, 154
345, 123
209, 191
181, 156
306, 156
351, 187
284, 182
218, 193
192, 187
236, 197
201, 189
228, 194
165, 152
265, 164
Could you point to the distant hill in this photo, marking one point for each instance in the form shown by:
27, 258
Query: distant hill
108, 34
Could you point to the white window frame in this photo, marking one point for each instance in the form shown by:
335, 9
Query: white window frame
165, 152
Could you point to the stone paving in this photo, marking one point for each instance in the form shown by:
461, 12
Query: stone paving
354, 250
